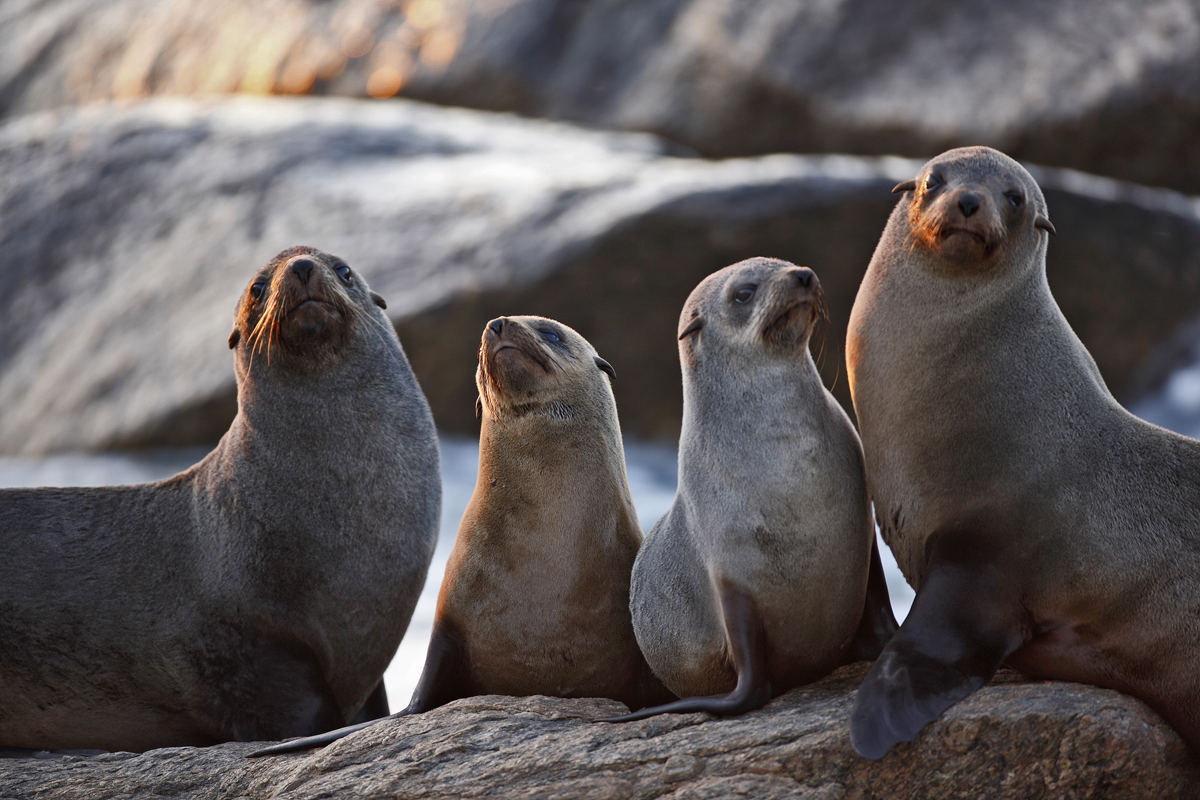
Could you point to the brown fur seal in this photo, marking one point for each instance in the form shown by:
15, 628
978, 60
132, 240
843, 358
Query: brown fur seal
1043, 525
765, 574
259, 594
536, 594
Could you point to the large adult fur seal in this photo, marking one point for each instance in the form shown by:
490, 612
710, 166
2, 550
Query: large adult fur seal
1043, 525
764, 575
259, 594
536, 594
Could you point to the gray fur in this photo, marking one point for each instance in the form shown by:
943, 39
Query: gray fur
983, 414
772, 499
259, 594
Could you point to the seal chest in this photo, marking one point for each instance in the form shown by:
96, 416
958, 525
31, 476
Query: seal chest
259, 594
771, 498
1042, 524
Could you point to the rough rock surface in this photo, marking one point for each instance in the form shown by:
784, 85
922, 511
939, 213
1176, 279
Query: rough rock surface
1107, 86
1013, 739
128, 232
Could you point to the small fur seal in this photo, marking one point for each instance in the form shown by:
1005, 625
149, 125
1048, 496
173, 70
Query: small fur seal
1043, 525
765, 574
536, 594
259, 594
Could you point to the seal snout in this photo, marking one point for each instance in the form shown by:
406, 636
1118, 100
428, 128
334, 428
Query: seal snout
496, 326
791, 306
956, 219
804, 276
303, 267
968, 203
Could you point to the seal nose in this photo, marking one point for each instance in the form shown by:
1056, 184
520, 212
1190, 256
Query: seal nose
496, 326
805, 276
969, 203
302, 267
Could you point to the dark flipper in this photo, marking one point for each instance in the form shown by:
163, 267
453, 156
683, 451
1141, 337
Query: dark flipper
964, 622
443, 679
748, 647
376, 706
446, 675
878, 623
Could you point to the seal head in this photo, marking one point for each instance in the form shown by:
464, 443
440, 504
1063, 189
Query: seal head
966, 205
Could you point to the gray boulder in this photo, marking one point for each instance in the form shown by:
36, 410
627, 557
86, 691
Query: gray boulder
127, 232
1012, 739
1105, 86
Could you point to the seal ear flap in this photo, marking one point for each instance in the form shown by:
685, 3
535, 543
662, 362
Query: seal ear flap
606, 367
1041, 222
478, 408
696, 325
234, 338
907, 186
378, 300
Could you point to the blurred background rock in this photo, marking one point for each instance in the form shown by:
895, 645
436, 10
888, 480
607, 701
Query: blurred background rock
137, 198
1103, 86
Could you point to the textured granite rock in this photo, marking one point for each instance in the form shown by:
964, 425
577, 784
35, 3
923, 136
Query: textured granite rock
1105, 86
1013, 739
127, 232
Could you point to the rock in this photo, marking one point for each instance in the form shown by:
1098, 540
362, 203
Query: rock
1107, 87
129, 231
1014, 738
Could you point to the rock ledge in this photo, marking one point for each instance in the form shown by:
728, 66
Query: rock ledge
1014, 738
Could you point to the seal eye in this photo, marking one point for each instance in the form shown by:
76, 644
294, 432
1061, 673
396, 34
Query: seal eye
343, 272
744, 294
256, 289
1016, 198
932, 182
549, 335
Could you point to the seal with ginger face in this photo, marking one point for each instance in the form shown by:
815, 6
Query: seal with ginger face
1042, 524
259, 594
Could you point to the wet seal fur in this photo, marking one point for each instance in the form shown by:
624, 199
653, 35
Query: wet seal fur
262, 592
536, 594
765, 574
1043, 525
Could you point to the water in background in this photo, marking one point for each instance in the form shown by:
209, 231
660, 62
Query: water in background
652, 479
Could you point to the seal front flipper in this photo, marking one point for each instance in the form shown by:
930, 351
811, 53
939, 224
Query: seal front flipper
446, 675
747, 643
443, 679
878, 624
309, 742
964, 622
376, 706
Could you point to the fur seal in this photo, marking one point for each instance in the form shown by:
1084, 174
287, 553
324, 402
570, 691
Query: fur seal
262, 592
536, 594
1042, 524
765, 574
